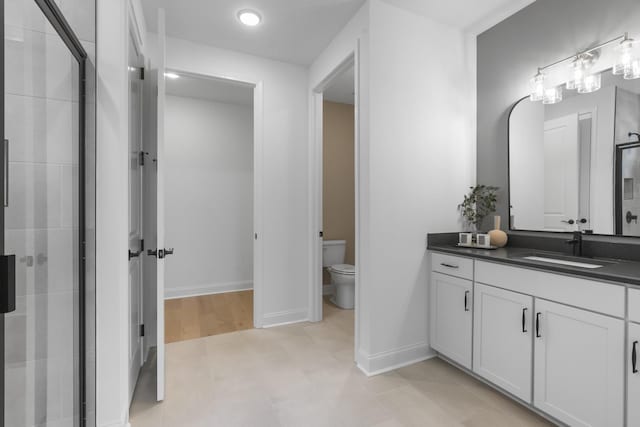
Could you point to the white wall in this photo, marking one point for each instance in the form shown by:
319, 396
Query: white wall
421, 163
209, 196
416, 159
112, 132
283, 177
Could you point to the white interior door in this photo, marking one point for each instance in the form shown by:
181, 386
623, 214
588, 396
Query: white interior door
160, 243
561, 173
135, 216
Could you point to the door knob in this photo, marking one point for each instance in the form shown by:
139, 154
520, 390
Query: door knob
160, 253
134, 254
570, 221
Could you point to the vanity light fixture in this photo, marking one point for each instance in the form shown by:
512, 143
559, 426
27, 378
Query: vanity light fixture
249, 17
590, 83
625, 56
552, 96
172, 76
627, 64
537, 86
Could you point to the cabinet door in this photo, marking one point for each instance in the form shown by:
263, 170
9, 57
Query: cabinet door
579, 365
451, 317
633, 369
502, 346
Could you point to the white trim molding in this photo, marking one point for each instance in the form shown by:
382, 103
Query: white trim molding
386, 361
280, 318
210, 289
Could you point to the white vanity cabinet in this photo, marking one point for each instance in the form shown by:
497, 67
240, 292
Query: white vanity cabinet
633, 359
633, 375
451, 317
556, 342
502, 341
578, 365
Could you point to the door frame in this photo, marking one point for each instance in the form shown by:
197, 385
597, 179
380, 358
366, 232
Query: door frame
352, 58
134, 36
63, 29
258, 167
618, 184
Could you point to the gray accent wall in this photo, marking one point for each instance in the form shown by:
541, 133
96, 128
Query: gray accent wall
509, 53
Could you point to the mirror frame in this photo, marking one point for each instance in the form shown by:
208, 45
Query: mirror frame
617, 197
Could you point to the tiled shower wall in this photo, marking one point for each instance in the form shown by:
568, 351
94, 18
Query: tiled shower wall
41, 124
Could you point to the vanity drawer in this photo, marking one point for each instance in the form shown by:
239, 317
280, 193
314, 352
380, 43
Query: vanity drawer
602, 297
452, 265
634, 305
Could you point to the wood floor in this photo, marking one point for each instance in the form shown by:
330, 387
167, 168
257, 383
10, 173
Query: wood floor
206, 315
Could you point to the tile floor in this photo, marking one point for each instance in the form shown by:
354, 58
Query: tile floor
303, 375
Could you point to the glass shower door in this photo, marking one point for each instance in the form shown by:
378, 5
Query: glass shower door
43, 125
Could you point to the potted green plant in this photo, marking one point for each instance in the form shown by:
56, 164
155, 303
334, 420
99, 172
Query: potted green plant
478, 204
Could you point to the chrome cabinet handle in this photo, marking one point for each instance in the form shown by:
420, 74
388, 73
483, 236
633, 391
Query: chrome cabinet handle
634, 357
524, 320
538, 325
466, 300
444, 264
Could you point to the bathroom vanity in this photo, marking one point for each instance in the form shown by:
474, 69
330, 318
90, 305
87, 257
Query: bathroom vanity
559, 334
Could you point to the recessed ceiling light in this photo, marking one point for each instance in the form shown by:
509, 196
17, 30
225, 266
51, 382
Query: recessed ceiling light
249, 17
172, 75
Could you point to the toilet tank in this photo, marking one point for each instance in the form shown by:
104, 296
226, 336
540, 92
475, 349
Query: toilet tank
333, 252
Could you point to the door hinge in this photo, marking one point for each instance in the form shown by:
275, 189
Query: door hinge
142, 330
321, 234
141, 155
141, 73
141, 245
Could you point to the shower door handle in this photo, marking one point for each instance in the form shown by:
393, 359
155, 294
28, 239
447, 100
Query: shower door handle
6, 174
7, 283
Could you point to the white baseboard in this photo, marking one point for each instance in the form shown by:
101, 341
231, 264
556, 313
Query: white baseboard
116, 424
214, 288
328, 289
386, 361
285, 317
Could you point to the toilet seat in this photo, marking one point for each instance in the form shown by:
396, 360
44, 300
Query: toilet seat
346, 269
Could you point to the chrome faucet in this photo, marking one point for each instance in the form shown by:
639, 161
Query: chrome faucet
576, 242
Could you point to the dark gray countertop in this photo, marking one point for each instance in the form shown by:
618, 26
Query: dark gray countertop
614, 270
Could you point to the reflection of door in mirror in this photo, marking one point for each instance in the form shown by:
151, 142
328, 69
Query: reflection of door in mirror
561, 179
628, 189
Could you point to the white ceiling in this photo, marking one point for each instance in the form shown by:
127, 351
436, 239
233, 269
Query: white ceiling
295, 31
342, 88
474, 15
211, 89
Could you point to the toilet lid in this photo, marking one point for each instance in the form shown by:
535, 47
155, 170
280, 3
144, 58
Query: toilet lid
344, 268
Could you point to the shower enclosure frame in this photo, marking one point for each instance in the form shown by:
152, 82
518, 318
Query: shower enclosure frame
618, 185
57, 20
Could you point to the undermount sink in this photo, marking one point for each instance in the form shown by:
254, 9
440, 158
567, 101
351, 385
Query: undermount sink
570, 263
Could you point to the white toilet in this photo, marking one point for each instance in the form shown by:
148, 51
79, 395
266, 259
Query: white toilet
343, 276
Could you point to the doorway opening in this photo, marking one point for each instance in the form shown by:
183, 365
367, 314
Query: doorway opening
209, 205
335, 274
